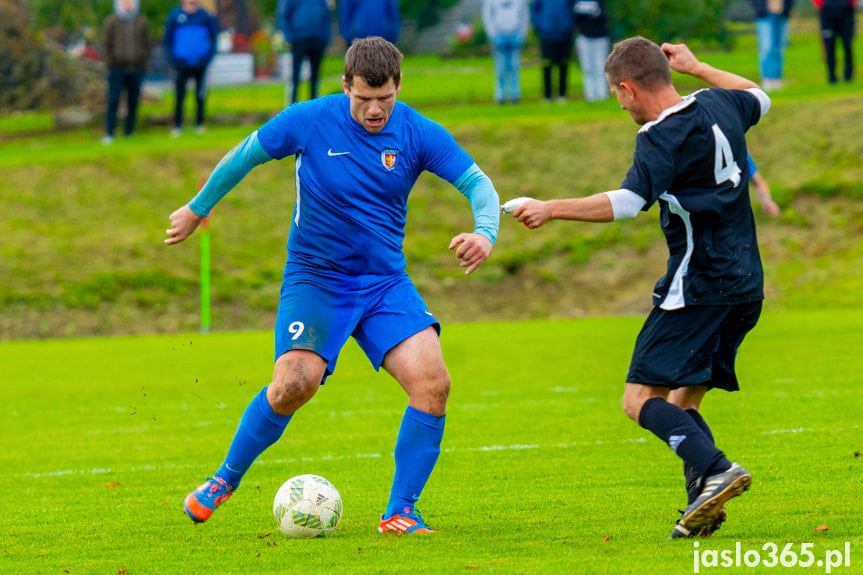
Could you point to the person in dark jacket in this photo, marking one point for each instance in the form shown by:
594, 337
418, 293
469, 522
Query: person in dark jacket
837, 19
190, 44
554, 23
771, 27
365, 18
306, 27
127, 55
592, 45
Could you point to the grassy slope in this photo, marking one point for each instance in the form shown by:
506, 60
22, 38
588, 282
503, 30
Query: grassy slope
539, 467
83, 224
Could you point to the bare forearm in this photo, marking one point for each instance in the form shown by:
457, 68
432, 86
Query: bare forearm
535, 213
595, 208
720, 78
681, 59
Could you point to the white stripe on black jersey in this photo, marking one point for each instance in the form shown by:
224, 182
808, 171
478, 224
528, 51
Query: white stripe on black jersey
692, 159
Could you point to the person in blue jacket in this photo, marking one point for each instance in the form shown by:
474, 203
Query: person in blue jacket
365, 18
554, 23
306, 27
190, 44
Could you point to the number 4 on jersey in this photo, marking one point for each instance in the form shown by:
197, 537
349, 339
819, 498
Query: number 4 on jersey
724, 166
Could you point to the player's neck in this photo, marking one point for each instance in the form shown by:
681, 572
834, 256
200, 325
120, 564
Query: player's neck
663, 99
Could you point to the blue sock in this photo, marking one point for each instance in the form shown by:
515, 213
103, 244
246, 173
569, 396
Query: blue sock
417, 450
259, 428
683, 435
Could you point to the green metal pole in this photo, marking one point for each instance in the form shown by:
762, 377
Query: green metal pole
205, 276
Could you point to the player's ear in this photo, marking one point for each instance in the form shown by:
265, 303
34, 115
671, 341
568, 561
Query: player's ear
628, 87
345, 86
399, 85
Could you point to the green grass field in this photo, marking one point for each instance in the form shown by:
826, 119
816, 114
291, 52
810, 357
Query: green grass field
541, 470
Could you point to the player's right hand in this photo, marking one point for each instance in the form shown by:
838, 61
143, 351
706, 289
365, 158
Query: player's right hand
183, 222
532, 213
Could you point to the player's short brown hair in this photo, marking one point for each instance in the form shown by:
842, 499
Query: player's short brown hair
639, 60
374, 60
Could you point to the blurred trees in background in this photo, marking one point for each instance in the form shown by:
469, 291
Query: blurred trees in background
35, 71
672, 20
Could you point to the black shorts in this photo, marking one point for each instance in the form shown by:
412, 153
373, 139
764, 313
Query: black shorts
695, 345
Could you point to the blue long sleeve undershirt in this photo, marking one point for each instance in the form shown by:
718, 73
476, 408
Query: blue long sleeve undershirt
233, 167
229, 172
484, 201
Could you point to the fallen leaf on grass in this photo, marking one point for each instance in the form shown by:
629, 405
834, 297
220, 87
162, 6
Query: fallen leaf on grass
113, 484
123, 572
265, 535
607, 538
821, 528
471, 567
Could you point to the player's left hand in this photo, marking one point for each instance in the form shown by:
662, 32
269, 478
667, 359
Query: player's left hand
473, 249
680, 57
770, 208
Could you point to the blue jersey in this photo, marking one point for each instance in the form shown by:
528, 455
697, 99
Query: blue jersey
352, 186
692, 160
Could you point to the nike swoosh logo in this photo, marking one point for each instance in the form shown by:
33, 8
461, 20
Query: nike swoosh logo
331, 153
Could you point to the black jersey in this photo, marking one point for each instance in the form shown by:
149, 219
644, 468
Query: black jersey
693, 160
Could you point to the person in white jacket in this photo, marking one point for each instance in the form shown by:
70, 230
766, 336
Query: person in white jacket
505, 24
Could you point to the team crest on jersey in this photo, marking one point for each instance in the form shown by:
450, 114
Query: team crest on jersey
389, 158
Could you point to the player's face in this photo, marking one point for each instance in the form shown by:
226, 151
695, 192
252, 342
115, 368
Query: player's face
628, 103
372, 107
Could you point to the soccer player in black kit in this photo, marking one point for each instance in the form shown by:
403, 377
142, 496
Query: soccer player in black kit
690, 156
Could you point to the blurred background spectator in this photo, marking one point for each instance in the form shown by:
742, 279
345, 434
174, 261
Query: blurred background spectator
126, 49
592, 45
305, 25
554, 24
506, 23
190, 44
837, 19
364, 18
771, 27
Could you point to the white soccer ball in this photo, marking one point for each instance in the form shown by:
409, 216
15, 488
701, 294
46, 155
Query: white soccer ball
307, 506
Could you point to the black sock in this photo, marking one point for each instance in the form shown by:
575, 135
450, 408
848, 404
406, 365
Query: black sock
699, 421
678, 429
693, 480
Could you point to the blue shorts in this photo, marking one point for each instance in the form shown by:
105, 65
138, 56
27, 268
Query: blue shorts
319, 310
694, 345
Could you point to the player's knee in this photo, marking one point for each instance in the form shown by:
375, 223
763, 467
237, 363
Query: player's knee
632, 405
294, 383
442, 387
433, 391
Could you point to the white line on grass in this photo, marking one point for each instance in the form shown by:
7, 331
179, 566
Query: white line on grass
330, 457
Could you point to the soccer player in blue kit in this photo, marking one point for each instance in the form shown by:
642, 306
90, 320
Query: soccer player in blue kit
358, 155
690, 156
